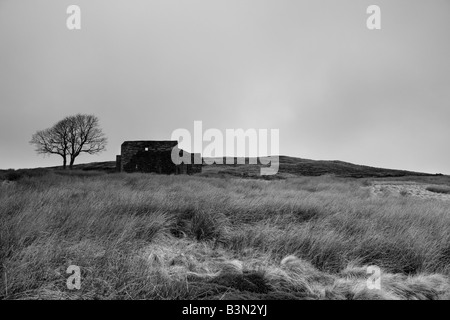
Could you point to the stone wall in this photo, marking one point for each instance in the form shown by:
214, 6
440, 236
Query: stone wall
194, 167
154, 156
118, 163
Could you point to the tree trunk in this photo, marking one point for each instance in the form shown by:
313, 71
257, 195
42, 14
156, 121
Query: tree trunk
64, 163
72, 160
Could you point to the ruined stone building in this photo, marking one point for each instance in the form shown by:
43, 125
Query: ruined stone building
155, 156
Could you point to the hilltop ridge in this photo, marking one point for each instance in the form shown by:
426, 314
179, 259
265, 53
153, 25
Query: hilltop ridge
288, 166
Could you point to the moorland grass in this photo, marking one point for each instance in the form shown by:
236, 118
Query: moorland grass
147, 236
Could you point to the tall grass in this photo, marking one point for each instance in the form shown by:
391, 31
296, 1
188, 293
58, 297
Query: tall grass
439, 189
185, 237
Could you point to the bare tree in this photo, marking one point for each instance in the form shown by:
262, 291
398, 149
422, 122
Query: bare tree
70, 137
85, 136
53, 141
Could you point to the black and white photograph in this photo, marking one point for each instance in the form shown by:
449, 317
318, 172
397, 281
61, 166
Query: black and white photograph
220, 155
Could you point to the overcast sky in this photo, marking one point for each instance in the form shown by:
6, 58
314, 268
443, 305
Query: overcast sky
311, 69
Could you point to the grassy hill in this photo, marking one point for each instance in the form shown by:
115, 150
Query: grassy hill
310, 233
288, 167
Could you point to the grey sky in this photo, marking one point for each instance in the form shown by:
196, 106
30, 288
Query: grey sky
312, 69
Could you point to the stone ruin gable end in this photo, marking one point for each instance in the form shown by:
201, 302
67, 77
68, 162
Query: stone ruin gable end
118, 163
148, 156
154, 156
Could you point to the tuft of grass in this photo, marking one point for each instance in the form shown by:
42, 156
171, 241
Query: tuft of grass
12, 175
251, 281
439, 189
